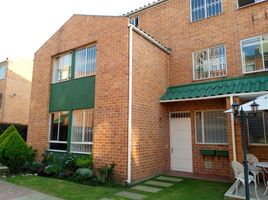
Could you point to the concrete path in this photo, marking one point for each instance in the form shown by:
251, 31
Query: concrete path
10, 191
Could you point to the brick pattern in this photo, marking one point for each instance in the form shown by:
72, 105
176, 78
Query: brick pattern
150, 133
111, 101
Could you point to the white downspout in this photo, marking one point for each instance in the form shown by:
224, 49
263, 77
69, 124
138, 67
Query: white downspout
233, 129
130, 104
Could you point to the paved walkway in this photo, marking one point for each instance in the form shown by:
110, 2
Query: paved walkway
10, 191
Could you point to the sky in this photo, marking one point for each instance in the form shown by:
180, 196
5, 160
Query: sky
25, 25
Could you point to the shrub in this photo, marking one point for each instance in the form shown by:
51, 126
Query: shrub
53, 170
37, 167
14, 152
6, 133
31, 154
84, 172
84, 162
22, 129
104, 174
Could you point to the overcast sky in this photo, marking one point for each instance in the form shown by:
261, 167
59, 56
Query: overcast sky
27, 24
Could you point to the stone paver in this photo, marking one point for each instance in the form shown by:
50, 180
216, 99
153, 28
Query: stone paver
130, 195
146, 188
158, 183
10, 191
171, 179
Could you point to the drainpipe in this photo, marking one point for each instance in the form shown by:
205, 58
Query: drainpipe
129, 104
233, 129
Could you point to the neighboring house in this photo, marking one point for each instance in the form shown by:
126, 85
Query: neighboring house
150, 96
15, 90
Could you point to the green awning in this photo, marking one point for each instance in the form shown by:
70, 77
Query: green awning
245, 84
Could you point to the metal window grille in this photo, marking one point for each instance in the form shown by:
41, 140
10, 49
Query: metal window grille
180, 115
205, 8
210, 63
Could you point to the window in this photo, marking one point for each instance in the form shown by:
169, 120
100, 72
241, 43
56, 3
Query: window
134, 21
242, 3
211, 127
2, 72
255, 54
258, 129
82, 131
201, 9
59, 131
210, 63
62, 68
85, 62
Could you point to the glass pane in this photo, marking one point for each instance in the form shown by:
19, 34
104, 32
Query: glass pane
265, 51
245, 2
57, 146
213, 7
2, 72
198, 120
198, 10
65, 63
64, 123
91, 61
77, 130
81, 148
80, 59
252, 55
54, 126
201, 62
266, 125
88, 125
215, 127
256, 129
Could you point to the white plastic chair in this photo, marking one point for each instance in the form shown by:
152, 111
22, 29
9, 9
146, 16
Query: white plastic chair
239, 176
252, 161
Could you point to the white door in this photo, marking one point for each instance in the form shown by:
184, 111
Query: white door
181, 142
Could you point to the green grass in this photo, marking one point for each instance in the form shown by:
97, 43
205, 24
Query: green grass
188, 189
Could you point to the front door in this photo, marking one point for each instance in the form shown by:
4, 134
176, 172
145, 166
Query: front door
181, 142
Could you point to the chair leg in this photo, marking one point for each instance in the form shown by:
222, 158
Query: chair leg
236, 187
256, 192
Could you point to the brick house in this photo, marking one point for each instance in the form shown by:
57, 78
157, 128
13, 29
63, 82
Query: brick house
15, 90
150, 96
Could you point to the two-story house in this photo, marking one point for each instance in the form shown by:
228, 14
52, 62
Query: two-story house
15, 90
148, 90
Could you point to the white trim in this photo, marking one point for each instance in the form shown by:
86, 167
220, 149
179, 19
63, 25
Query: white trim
52, 150
131, 27
77, 152
57, 142
149, 38
213, 97
233, 130
85, 143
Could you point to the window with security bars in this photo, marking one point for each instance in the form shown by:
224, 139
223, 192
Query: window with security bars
59, 125
255, 54
62, 68
210, 63
201, 9
85, 62
242, 3
258, 128
82, 131
211, 127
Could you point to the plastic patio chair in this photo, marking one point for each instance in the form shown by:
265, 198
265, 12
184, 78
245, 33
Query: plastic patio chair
239, 176
252, 161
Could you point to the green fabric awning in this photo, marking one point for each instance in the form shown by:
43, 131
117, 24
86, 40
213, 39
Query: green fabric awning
245, 84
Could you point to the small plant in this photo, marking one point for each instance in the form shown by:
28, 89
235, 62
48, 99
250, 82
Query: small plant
84, 162
53, 170
36, 167
14, 152
104, 174
84, 172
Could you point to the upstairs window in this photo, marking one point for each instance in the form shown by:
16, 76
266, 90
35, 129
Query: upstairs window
62, 68
85, 62
210, 63
2, 72
134, 21
201, 9
242, 3
255, 54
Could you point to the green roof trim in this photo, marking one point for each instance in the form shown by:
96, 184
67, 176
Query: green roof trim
243, 84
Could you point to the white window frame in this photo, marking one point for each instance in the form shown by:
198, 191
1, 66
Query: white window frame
203, 128
265, 137
85, 72
207, 49
206, 15
53, 60
56, 141
242, 55
256, 2
83, 134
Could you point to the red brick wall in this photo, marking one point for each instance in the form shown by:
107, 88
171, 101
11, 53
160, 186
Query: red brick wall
111, 101
220, 165
150, 132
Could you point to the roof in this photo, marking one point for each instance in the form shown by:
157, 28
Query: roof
228, 86
145, 7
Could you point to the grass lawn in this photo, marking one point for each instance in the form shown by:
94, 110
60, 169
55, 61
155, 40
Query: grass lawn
188, 189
